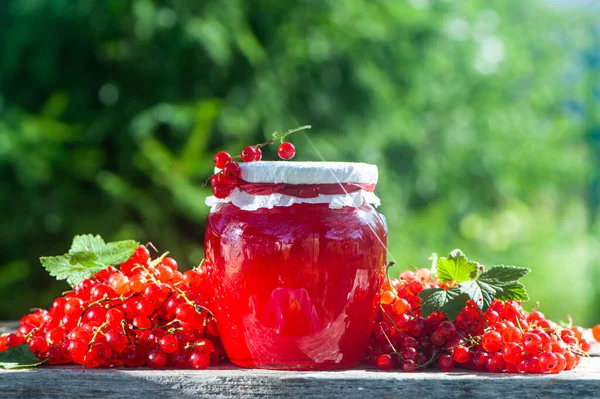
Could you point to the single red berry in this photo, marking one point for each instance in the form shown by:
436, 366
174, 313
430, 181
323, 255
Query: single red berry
447, 329
169, 344
117, 340
157, 359
286, 150
461, 354
532, 343
248, 154
512, 352
13, 340
38, 345
548, 361
133, 356
232, 171
199, 360
596, 332
221, 190
446, 363
408, 366
54, 355
385, 362
221, 158
491, 341
170, 262
77, 349
495, 363
258, 156
561, 363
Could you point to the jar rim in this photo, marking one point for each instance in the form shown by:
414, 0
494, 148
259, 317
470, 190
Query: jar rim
291, 172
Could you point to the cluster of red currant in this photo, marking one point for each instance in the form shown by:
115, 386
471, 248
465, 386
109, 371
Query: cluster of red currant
146, 313
222, 182
503, 339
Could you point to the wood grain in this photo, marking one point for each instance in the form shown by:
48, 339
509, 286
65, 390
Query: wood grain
232, 382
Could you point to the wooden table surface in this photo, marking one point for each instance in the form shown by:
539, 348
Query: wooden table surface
228, 381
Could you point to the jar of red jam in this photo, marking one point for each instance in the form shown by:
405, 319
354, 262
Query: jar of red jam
296, 255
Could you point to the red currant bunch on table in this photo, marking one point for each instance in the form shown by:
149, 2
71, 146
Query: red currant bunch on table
229, 172
504, 338
145, 312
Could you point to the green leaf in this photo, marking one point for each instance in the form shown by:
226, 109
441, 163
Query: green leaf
449, 302
74, 268
512, 290
456, 267
18, 357
502, 273
87, 243
88, 255
480, 292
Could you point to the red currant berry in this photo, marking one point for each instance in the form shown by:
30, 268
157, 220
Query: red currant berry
532, 343
169, 344
495, 363
446, 363
54, 355
221, 159
248, 154
461, 354
512, 352
258, 156
492, 341
385, 362
157, 359
408, 366
221, 190
199, 360
548, 361
286, 150
232, 171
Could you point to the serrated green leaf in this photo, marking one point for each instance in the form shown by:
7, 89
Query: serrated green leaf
511, 290
72, 267
117, 252
456, 267
87, 243
88, 255
501, 273
18, 357
480, 292
450, 302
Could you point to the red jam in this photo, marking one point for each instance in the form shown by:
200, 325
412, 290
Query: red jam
295, 287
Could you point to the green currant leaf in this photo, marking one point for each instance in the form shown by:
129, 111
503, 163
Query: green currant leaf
88, 255
501, 273
87, 243
449, 302
480, 292
511, 290
457, 267
18, 357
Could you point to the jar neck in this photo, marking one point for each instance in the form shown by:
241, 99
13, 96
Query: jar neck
302, 190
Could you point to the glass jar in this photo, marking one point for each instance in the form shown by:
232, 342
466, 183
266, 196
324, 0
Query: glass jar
295, 276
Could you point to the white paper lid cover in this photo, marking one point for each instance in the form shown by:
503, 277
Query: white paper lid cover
308, 172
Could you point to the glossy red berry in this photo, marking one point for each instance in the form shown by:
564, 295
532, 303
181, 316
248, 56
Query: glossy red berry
169, 344
286, 150
157, 359
385, 362
232, 171
199, 360
221, 190
249, 154
258, 155
221, 159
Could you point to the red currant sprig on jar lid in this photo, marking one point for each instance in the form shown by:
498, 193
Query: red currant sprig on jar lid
230, 171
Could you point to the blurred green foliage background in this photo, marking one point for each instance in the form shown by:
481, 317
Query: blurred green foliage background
483, 117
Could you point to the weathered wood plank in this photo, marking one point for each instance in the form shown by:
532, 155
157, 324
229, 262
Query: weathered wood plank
231, 382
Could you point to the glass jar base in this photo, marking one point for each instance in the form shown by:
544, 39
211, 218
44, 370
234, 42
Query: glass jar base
293, 366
